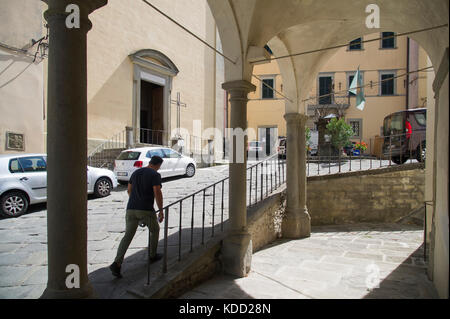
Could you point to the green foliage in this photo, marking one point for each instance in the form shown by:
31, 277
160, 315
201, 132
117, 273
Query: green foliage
308, 135
340, 132
308, 138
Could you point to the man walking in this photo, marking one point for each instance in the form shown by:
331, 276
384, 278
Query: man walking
143, 188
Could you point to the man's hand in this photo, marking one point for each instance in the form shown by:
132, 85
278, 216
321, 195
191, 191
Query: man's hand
159, 202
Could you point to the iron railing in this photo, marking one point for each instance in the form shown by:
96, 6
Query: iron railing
152, 137
382, 151
99, 157
263, 178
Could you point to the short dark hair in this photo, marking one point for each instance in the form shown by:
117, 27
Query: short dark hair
156, 160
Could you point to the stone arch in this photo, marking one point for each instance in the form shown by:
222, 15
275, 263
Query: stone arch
306, 67
233, 29
243, 24
156, 60
288, 74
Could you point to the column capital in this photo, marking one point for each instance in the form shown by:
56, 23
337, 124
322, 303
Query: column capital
239, 86
88, 5
57, 10
292, 118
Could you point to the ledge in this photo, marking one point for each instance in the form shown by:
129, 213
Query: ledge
378, 171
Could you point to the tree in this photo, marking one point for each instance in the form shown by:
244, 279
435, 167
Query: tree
340, 132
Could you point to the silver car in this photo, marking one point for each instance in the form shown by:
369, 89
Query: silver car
23, 182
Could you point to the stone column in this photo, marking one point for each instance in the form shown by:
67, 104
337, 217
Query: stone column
297, 222
67, 150
129, 137
237, 247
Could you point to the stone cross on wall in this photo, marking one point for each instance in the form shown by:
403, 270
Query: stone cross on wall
179, 105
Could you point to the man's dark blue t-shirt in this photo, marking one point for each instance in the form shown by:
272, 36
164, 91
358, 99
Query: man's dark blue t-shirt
142, 196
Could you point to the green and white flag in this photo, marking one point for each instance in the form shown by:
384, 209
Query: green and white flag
357, 88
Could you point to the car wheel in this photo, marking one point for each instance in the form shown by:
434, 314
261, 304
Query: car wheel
103, 187
421, 152
14, 204
190, 170
396, 160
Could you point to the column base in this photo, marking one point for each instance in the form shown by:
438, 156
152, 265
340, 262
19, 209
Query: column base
237, 254
296, 224
86, 292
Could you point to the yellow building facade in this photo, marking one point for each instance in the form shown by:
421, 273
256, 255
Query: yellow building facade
376, 64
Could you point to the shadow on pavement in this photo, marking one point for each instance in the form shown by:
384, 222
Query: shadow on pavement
406, 282
134, 267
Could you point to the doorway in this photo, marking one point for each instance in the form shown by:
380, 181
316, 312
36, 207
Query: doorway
151, 113
325, 88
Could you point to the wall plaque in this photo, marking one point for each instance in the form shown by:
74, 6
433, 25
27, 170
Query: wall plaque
15, 141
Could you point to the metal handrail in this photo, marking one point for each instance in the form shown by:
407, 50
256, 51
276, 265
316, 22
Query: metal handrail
118, 139
386, 154
276, 181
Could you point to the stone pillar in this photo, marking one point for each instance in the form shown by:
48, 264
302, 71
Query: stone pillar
67, 150
129, 137
297, 222
237, 247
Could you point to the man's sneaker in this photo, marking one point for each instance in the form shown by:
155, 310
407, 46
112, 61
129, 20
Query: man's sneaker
115, 269
156, 258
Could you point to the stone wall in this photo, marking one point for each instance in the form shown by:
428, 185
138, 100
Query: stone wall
264, 219
377, 196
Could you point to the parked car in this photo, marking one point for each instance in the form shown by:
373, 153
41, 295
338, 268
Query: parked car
23, 182
255, 149
174, 163
314, 143
350, 149
282, 148
405, 135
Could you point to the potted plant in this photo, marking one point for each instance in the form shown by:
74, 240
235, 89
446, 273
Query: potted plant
340, 133
360, 148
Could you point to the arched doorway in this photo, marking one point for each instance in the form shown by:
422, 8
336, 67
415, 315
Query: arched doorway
152, 85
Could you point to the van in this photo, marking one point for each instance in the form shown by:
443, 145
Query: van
405, 135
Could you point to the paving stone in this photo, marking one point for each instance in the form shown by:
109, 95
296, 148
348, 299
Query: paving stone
16, 292
308, 274
364, 256
397, 259
339, 268
13, 275
10, 248
11, 259
38, 277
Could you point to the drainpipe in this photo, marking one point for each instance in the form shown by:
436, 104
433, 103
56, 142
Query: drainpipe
407, 71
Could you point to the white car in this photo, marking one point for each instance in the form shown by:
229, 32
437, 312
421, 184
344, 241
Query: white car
23, 182
174, 163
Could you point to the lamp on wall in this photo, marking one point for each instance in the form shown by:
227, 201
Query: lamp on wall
42, 46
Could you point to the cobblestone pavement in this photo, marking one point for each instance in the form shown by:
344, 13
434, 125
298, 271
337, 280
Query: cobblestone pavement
336, 262
23, 240
23, 249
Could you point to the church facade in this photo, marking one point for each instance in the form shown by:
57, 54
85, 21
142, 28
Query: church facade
144, 73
